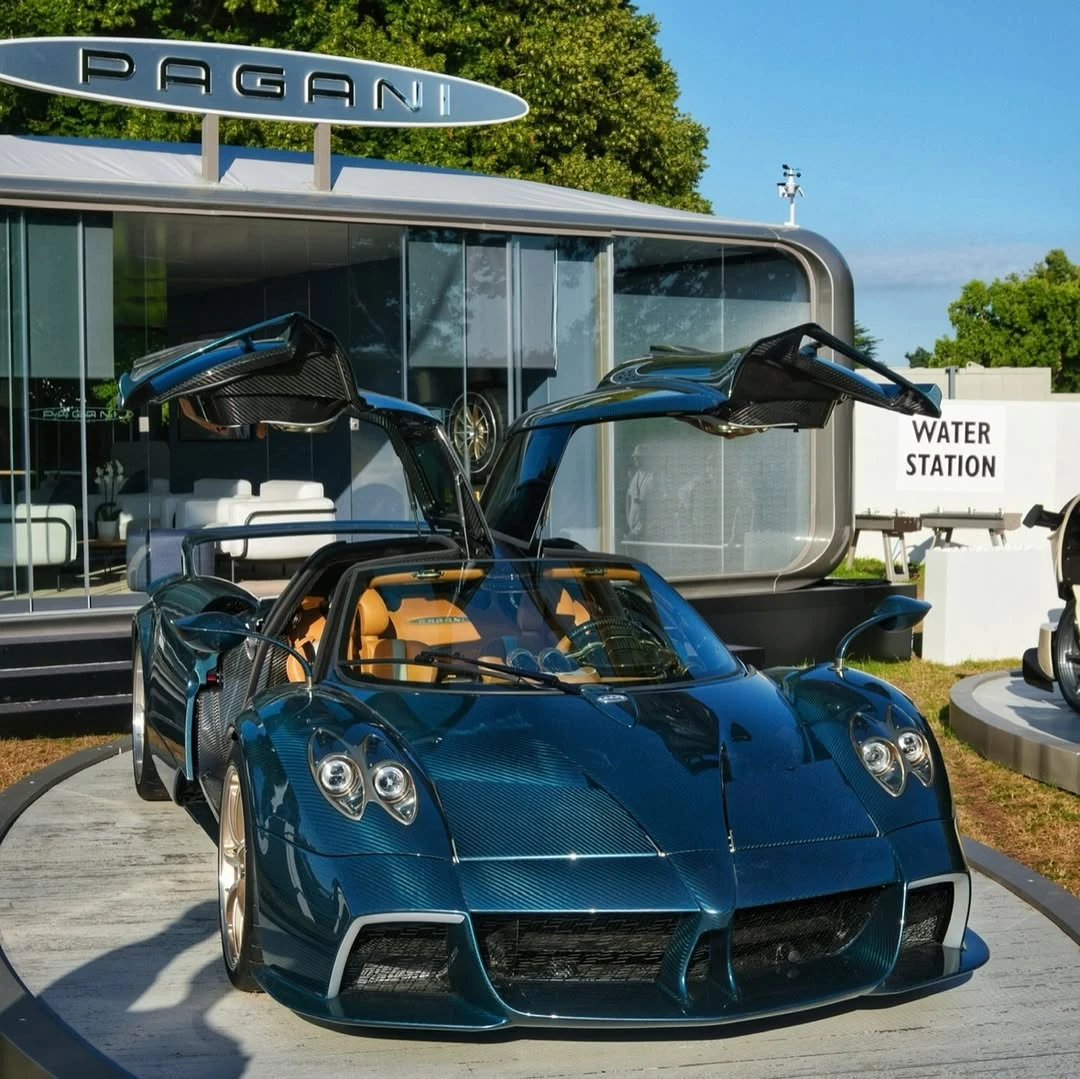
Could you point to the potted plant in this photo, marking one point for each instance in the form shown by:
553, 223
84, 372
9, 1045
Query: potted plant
109, 477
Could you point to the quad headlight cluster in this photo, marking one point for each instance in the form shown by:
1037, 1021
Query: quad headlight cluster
892, 749
349, 780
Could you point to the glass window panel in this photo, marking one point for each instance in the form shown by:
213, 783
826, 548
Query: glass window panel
693, 504
576, 495
374, 338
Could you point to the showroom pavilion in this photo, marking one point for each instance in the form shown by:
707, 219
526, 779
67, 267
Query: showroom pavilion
476, 296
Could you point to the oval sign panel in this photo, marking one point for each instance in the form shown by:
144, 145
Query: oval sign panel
265, 84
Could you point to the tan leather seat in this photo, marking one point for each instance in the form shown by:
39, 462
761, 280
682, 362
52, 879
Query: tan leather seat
374, 638
304, 635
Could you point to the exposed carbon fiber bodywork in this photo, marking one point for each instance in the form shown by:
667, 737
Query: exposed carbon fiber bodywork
513, 789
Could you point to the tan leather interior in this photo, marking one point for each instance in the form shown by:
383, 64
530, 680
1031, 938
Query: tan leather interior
417, 623
397, 616
591, 573
432, 622
304, 635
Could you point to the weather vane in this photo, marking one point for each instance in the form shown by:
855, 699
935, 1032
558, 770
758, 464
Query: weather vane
789, 188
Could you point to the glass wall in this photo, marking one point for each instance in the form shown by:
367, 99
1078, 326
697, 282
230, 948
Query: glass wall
56, 362
477, 326
695, 505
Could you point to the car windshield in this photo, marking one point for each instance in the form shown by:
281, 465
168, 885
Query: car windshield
548, 623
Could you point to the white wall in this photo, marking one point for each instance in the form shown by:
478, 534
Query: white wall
1035, 446
988, 603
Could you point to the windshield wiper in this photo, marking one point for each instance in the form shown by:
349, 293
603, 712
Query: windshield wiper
456, 661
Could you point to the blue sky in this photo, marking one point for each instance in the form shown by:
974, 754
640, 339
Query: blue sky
938, 141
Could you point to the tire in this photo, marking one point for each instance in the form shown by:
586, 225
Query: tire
476, 424
1066, 656
236, 881
148, 784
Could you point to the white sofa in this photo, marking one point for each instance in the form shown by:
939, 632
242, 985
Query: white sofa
210, 489
42, 534
280, 502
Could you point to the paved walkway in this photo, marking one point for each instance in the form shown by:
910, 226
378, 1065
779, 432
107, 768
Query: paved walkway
108, 914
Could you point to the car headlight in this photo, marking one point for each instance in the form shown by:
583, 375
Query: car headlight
890, 752
878, 753
348, 782
878, 756
395, 789
915, 750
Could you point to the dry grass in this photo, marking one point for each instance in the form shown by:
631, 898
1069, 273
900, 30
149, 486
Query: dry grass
1029, 821
21, 756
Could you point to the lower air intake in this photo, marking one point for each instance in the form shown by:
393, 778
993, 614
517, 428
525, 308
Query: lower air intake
926, 915
763, 938
590, 948
398, 959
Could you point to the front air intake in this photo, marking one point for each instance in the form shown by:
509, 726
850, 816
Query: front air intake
395, 958
926, 915
583, 948
765, 938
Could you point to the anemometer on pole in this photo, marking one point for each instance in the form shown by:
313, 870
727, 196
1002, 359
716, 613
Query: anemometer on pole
789, 189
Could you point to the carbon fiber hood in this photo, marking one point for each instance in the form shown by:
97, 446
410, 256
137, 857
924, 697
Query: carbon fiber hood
527, 775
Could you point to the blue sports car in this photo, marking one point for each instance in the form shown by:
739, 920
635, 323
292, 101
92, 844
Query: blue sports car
461, 776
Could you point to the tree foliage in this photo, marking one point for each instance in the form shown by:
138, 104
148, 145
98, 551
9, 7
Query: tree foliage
1030, 320
920, 357
865, 341
602, 98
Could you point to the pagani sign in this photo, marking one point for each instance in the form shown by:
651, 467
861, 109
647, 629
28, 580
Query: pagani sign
264, 84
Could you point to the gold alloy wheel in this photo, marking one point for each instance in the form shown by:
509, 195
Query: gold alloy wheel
232, 868
474, 429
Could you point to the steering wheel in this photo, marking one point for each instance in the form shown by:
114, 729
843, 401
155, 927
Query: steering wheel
616, 641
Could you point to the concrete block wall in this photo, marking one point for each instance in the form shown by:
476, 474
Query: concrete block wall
988, 603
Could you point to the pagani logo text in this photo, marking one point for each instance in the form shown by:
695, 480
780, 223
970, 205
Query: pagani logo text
214, 78
266, 81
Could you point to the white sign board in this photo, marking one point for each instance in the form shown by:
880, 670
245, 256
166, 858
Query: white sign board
265, 84
963, 449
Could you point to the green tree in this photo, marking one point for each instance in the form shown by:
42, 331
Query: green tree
1029, 320
602, 97
865, 341
919, 357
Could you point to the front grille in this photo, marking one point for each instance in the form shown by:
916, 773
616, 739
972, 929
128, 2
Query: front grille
396, 958
593, 948
763, 938
926, 915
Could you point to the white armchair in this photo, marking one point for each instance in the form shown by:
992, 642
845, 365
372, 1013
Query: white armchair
42, 535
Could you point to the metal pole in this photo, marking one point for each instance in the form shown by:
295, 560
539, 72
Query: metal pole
211, 150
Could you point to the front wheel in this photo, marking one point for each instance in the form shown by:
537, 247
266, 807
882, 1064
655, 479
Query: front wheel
236, 882
148, 785
476, 425
1066, 656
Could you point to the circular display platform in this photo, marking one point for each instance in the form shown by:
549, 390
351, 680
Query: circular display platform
1033, 731
108, 916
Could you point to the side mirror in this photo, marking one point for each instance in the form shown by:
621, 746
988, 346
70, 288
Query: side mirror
215, 631
212, 631
892, 613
